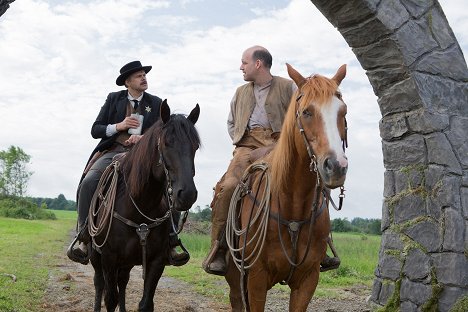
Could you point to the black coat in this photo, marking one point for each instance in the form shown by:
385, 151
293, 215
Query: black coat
114, 111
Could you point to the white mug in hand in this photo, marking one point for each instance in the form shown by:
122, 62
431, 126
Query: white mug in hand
138, 129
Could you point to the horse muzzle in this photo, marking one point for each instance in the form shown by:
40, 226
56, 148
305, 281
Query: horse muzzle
333, 171
184, 199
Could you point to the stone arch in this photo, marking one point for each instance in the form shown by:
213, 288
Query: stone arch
418, 72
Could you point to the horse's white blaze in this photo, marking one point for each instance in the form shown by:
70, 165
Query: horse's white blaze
329, 116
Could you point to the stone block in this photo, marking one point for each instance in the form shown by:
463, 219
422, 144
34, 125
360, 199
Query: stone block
427, 234
423, 121
449, 296
389, 267
382, 78
448, 63
408, 151
388, 288
417, 265
401, 97
409, 207
408, 306
439, 151
454, 231
391, 240
376, 287
386, 216
381, 54
393, 126
417, 7
414, 40
458, 137
442, 95
346, 13
408, 179
464, 201
444, 190
451, 269
443, 34
392, 14
365, 33
418, 293
389, 183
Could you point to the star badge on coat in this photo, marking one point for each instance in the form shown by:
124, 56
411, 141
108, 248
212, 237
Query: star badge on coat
148, 109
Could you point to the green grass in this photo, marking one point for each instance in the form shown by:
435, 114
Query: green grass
358, 254
27, 250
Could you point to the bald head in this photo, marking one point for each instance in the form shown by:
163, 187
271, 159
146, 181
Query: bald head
260, 53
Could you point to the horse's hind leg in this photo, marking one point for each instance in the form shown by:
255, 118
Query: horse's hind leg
111, 295
98, 280
124, 276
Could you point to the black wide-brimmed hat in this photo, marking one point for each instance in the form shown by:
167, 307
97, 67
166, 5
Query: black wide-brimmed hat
129, 69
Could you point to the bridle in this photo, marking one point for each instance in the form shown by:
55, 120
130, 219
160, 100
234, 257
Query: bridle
310, 151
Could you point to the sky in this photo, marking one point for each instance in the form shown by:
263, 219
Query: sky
60, 59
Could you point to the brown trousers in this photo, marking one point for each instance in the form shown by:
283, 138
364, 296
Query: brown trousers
252, 139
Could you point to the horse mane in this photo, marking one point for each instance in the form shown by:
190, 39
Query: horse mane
317, 89
137, 165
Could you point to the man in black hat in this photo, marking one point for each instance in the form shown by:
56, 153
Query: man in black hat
118, 131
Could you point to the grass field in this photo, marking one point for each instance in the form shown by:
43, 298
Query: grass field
29, 249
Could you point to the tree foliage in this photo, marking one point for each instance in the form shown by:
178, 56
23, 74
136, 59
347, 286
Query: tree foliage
14, 175
366, 226
59, 203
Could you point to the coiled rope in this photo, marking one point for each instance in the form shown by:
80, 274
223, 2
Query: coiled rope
102, 203
233, 232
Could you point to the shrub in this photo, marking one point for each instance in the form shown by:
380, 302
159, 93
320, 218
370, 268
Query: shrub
21, 208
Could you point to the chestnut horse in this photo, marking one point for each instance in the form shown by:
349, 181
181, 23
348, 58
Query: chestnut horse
278, 222
149, 183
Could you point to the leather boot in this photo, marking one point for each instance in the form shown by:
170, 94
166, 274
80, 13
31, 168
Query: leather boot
329, 263
215, 262
82, 252
177, 258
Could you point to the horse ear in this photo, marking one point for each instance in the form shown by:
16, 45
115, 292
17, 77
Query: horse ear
294, 74
165, 111
194, 114
340, 74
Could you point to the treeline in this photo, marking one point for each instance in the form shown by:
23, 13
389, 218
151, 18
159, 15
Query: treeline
359, 225
367, 226
59, 203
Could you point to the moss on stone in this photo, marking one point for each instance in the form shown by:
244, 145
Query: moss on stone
461, 305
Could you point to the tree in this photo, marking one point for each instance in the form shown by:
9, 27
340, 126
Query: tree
14, 175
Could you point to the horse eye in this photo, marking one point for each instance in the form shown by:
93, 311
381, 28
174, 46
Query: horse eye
307, 113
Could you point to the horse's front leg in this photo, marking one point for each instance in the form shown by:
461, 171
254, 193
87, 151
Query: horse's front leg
257, 290
123, 278
233, 279
98, 280
154, 271
303, 289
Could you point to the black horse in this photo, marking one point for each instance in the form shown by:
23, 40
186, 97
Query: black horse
150, 182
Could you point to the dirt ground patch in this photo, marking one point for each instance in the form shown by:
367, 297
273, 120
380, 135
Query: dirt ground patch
70, 289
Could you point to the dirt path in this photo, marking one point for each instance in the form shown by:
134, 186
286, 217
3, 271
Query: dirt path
71, 289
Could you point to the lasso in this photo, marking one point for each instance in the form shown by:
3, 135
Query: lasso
233, 233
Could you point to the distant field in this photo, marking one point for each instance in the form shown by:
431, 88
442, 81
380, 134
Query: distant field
28, 250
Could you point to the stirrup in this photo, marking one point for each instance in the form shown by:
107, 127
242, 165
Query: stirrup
184, 256
76, 255
209, 259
